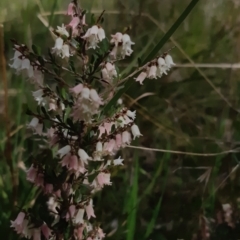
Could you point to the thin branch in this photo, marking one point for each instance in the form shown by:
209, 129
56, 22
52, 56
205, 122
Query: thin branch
184, 153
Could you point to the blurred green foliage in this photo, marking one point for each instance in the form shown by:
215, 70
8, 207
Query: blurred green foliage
155, 195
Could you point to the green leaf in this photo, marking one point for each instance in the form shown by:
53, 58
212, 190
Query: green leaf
154, 52
36, 49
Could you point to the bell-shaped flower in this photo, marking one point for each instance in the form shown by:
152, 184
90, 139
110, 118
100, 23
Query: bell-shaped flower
116, 38
141, 77
71, 11
79, 216
126, 138
17, 224
17, 60
36, 126
89, 209
169, 61
131, 114
135, 131
118, 161
64, 150
93, 36
77, 89
95, 97
152, 72
83, 156
62, 31
46, 231
32, 173
103, 179
38, 95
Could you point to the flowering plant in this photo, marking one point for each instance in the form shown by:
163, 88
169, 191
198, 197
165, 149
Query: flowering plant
80, 138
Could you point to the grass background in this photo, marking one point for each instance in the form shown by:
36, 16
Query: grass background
189, 119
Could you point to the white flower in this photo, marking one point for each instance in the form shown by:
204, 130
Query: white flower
85, 93
169, 61
117, 38
65, 51
17, 61
64, 150
79, 216
135, 131
120, 122
118, 161
99, 147
83, 156
95, 97
93, 36
126, 46
35, 125
109, 72
162, 66
126, 138
141, 77
62, 30
38, 95
131, 114
152, 72
60, 48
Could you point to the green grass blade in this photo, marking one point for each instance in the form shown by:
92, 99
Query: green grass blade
153, 53
152, 223
132, 202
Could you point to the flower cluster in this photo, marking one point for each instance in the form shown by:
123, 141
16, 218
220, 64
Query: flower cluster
81, 139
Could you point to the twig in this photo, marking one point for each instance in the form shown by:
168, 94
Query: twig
184, 153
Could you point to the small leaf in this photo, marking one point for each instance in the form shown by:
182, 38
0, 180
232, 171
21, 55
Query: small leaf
36, 49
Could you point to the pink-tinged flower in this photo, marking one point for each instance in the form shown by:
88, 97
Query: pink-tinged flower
46, 231
39, 181
62, 31
74, 23
152, 72
52, 136
113, 54
36, 126
135, 131
101, 130
169, 61
70, 161
110, 146
48, 188
116, 38
118, 161
36, 233
71, 212
83, 156
100, 234
63, 151
79, 216
77, 89
119, 140
126, 138
17, 224
32, 174
141, 77
78, 232
109, 72
93, 36
103, 179
89, 209
108, 126
71, 11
